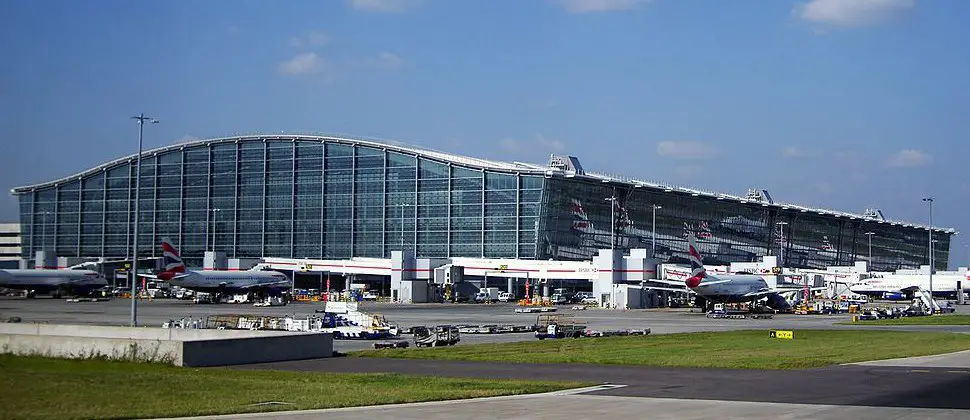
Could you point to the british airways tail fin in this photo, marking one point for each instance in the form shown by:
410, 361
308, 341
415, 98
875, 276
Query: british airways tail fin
171, 260
697, 271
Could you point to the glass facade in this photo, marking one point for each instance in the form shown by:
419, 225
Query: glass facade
579, 213
322, 197
288, 198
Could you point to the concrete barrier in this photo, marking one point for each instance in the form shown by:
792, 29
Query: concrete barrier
181, 347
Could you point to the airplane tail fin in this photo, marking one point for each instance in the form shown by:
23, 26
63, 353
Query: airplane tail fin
171, 260
697, 270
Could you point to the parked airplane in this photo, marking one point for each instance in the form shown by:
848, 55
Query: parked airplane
903, 286
55, 282
730, 288
264, 283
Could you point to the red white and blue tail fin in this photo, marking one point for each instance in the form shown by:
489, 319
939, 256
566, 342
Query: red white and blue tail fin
173, 264
697, 271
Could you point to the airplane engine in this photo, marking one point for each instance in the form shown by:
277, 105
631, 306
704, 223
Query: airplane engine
778, 302
894, 296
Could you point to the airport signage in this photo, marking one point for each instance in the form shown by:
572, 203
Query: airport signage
788, 335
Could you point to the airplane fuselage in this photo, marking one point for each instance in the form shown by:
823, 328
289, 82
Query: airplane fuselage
232, 281
732, 291
76, 282
942, 284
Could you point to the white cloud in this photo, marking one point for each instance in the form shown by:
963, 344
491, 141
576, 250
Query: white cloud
686, 149
311, 39
305, 63
909, 158
596, 6
792, 152
852, 13
385, 6
553, 145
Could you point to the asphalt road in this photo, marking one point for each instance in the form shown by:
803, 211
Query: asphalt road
944, 388
581, 406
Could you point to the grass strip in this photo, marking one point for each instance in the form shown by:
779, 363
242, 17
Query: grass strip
732, 349
41, 388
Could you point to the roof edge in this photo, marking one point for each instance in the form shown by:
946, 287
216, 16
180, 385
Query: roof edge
485, 164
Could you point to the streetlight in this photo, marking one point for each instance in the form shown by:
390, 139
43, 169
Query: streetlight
214, 213
653, 230
869, 234
930, 245
781, 242
612, 200
134, 261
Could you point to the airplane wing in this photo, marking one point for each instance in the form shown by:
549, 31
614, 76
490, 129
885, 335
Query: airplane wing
670, 282
669, 289
709, 283
792, 288
761, 293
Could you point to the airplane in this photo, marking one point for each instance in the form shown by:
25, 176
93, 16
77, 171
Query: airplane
265, 283
893, 287
72, 282
729, 288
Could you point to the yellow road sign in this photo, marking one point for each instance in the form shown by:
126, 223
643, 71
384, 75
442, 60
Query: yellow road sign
789, 335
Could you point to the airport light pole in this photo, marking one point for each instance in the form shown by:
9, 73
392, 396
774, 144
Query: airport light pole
869, 234
781, 243
214, 213
134, 260
930, 245
653, 230
612, 200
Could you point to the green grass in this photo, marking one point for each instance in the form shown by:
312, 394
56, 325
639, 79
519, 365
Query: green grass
734, 349
917, 320
39, 388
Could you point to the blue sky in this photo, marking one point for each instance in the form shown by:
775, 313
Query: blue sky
841, 104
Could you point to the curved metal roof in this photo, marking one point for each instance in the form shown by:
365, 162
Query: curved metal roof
379, 144
484, 164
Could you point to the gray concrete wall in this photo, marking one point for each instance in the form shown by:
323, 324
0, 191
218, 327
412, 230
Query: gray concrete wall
79, 347
239, 351
182, 347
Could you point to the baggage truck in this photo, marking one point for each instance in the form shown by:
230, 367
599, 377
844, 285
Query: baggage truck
441, 335
558, 326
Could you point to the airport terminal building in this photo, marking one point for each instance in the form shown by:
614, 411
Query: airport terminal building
302, 196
